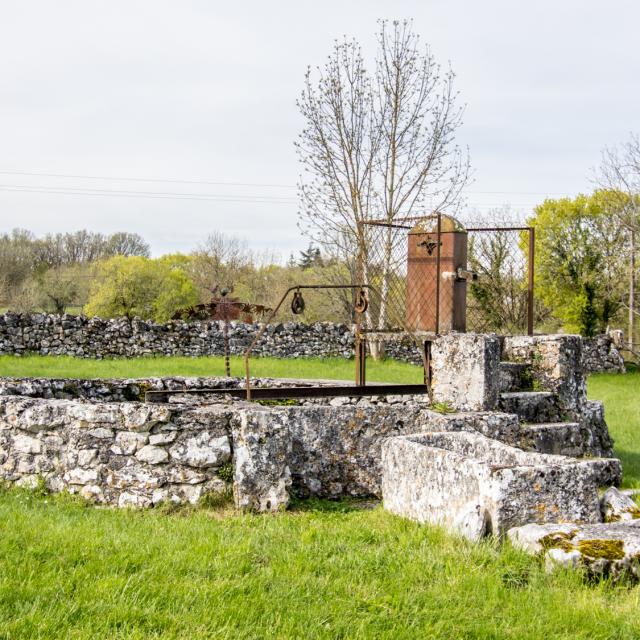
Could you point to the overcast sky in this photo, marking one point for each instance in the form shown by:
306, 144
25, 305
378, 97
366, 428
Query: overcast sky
206, 91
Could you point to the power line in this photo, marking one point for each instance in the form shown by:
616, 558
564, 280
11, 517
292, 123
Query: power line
233, 184
72, 191
206, 197
167, 180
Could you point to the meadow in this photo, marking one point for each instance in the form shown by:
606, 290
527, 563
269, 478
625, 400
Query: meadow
343, 569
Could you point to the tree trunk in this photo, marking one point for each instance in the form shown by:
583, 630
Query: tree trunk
378, 347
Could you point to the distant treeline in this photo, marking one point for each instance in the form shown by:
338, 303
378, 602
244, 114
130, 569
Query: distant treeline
113, 275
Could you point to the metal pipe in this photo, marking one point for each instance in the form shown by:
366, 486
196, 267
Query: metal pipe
530, 299
438, 251
496, 229
276, 393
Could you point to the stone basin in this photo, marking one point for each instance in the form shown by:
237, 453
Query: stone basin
478, 486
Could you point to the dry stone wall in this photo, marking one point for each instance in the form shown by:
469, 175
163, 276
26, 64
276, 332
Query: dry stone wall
601, 354
137, 454
97, 437
120, 337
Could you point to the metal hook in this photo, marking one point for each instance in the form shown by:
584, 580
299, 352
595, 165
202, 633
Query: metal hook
361, 301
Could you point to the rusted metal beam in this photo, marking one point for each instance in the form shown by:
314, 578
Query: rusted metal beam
284, 393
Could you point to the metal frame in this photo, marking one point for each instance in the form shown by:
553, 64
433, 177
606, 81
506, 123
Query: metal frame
360, 388
360, 344
530, 260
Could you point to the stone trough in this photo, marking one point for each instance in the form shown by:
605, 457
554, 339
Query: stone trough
479, 486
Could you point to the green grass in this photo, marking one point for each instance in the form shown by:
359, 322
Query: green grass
327, 368
321, 570
621, 397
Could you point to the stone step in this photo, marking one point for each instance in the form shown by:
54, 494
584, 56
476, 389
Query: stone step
531, 406
559, 438
515, 376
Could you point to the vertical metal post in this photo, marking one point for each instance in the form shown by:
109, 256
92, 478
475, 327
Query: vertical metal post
427, 368
530, 301
361, 359
438, 252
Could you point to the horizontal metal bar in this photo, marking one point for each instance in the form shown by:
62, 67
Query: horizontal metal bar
283, 393
381, 223
497, 229
395, 225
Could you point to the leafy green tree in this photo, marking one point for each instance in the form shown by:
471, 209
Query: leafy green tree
498, 299
578, 261
59, 287
138, 286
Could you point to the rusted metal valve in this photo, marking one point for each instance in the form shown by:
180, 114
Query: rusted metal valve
361, 302
460, 275
297, 304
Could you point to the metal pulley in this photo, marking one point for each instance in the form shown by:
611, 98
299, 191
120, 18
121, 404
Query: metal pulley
361, 303
297, 304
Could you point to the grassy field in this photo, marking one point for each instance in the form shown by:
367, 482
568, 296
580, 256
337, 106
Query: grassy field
325, 368
621, 397
321, 570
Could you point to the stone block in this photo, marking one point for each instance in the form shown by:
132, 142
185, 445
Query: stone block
617, 506
152, 454
202, 450
605, 549
466, 371
556, 365
531, 406
262, 448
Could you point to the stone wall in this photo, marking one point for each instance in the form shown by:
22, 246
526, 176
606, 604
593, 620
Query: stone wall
128, 454
137, 454
97, 338
601, 354
97, 437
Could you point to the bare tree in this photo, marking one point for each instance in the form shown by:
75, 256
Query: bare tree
619, 173
221, 259
123, 243
337, 148
378, 145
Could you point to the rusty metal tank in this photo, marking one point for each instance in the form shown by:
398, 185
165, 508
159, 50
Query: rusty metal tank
437, 293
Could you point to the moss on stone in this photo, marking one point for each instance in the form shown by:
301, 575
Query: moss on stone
283, 402
558, 540
607, 549
225, 472
614, 517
